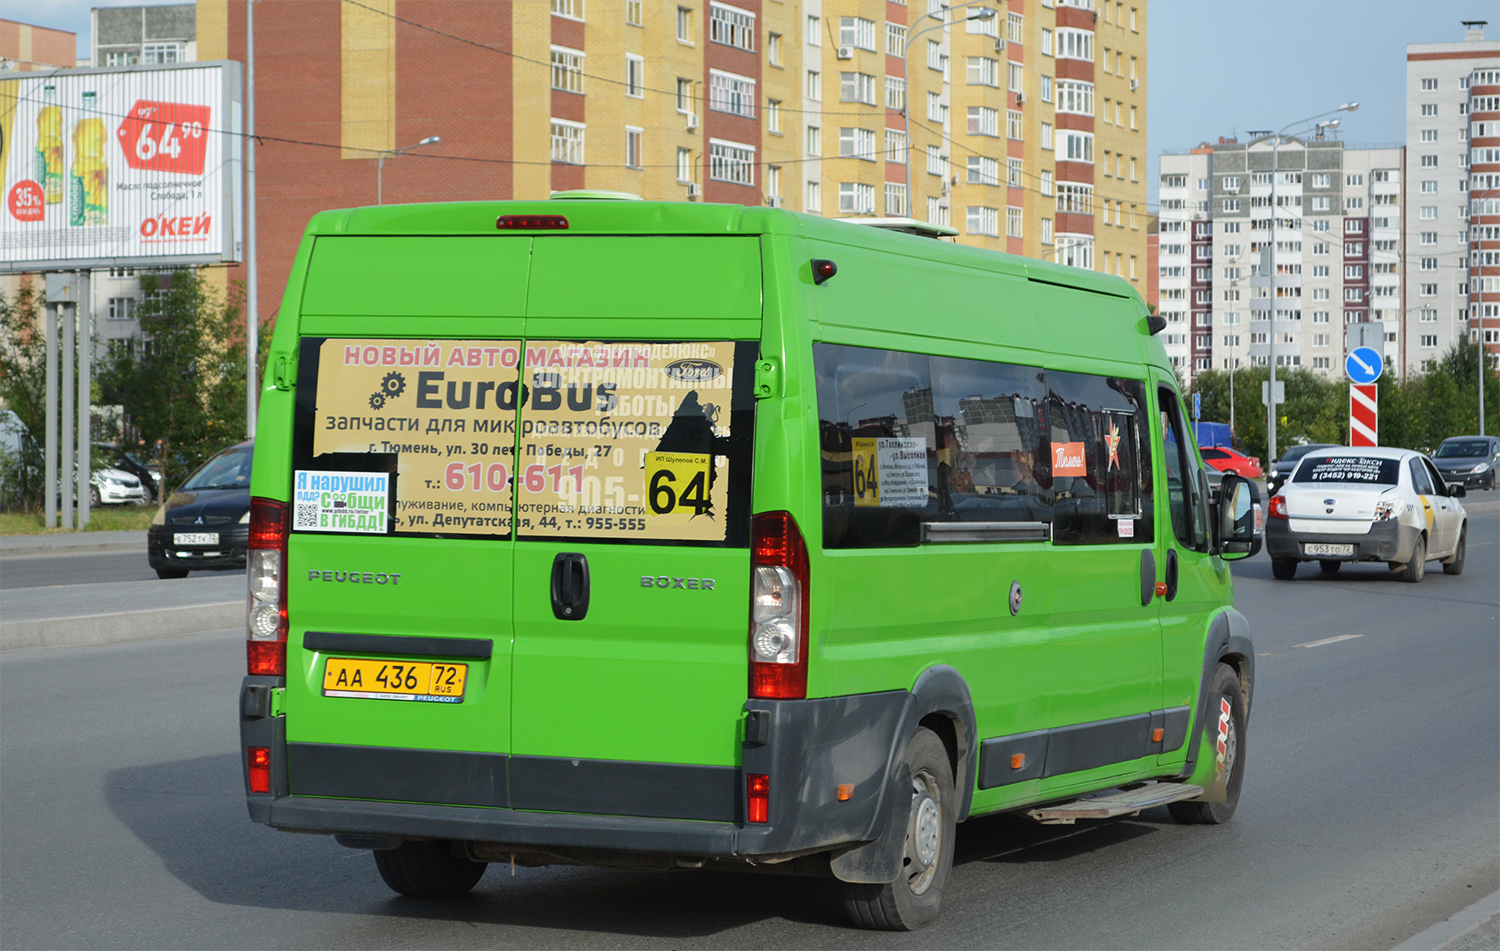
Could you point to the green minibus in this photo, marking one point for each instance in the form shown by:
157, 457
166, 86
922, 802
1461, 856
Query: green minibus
677, 535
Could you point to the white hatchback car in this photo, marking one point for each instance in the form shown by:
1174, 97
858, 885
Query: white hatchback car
1367, 504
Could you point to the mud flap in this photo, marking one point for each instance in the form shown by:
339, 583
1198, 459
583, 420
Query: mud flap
879, 862
1209, 772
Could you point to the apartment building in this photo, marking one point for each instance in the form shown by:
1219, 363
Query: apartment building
1277, 247
143, 36
24, 47
1452, 230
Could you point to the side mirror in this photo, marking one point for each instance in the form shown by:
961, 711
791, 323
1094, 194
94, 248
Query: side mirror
1457, 491
1237, 518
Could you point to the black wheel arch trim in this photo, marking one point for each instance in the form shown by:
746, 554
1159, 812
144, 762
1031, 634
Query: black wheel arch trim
942, 690
1228, 642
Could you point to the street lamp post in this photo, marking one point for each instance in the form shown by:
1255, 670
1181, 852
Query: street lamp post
380, 165
1479, 295
1271, 289
984, 14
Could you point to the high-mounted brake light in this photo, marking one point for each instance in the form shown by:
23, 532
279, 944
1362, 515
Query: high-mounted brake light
531, 223
1278, 507
265, 617
778, 608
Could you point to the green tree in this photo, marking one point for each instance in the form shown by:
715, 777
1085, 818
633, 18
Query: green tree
23, 390
184, 386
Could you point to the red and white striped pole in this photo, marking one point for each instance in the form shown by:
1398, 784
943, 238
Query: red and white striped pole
1364, 415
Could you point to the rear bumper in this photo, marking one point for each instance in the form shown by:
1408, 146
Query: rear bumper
573, 808
1388, 541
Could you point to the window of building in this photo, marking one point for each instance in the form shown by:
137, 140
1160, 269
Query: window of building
936, 164
983, 220
812, 202
731, 26
1016, 73
684, 95
731, 162
1046, 42
814, 89
895, 199
773, 181
984, 121
773, 49
857, 87
1075, 44
857, 32
983, 71
814, 31
567, 69
895, 39
685, 24
773, 116
635, 76
154, 53
857, 143
1046, 135
856, 198
814, 141
1429, 135
1013, 125
121, 308
1077, 146
1075, 97
895, 146
730, 93
983, 170
684, 165
567, 142
895, 93
632, 147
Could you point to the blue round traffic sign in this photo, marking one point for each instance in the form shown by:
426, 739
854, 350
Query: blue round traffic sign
1363, 365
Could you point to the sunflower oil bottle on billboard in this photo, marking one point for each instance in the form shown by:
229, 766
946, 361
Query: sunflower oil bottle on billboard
49, 147
88, 186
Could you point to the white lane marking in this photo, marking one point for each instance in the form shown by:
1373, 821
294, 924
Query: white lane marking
1330, 640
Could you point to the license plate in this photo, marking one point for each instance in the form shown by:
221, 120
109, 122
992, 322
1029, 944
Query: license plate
391, 680
195, 538
1345, 550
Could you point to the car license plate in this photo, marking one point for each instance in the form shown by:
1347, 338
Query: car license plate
195, 538
1345, 550
390, 680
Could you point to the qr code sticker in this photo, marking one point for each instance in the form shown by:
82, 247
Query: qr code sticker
307, 515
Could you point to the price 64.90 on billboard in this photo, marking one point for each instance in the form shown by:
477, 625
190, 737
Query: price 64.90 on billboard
125, 166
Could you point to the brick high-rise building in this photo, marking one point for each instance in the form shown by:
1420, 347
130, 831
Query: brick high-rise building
1453, 188
1334, 260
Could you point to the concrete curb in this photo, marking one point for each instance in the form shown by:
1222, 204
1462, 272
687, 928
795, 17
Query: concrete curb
78, 543
1449, 932
90, 630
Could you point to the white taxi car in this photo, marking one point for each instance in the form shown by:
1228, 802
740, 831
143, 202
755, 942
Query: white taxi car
1367, 504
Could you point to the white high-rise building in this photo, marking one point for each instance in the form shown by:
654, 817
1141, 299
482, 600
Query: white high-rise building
1334, 259
1453, 148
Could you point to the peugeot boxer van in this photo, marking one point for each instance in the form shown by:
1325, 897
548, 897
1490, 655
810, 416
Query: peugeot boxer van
655, 535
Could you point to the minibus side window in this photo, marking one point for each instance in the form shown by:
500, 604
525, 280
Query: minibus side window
989, 433
878, 445
1182, 493
1097, 462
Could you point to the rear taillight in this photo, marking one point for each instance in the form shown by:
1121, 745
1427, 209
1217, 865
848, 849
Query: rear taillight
1278, 507
778, 608
265, 619
758, 797
259, 769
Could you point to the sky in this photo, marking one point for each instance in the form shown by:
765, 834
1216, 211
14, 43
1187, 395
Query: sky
1214, 67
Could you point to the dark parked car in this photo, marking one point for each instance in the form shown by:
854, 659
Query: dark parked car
205, 523
1282, 468
1469, 461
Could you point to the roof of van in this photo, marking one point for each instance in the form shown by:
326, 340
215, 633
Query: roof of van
596, 216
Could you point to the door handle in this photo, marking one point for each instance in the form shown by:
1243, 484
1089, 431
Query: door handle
570, 586
1148, 577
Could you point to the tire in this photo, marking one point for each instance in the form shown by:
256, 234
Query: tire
1413, 570
1331, 567
1224, 687
171, 574
916, 896
1455, 565
428, 870
1492, 480
1284, 569
94, 500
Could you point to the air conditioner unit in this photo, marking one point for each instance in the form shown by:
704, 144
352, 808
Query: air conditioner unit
775, 201
1135, 84
1020, 98
693, 190
692, 121
846, 52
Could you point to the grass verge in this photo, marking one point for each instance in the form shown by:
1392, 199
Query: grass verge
111, 518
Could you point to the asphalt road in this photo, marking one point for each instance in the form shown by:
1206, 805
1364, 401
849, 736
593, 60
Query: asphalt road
1371, 810
104, 567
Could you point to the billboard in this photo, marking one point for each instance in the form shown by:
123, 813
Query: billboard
115, 167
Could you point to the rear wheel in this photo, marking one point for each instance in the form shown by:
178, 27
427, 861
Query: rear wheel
428, 869
94, 500
1455, 565
1224, 723
1413, 570
1284, 569
1331, 567
915, 897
